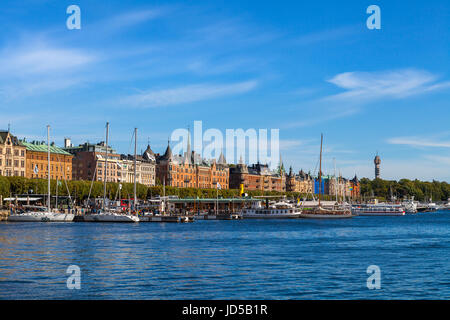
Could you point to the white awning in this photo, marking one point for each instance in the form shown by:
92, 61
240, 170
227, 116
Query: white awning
22, 199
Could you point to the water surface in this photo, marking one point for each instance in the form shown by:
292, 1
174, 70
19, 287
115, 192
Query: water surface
246, 259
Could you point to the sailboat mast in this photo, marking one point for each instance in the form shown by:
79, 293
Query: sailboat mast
135, 147
48, 163
106, 164
335, 180
320, 167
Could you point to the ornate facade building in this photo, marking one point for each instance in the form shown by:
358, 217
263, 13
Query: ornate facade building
191, 171
37, 161
145, 168
257, 177
301, 182
12, 155
344, 188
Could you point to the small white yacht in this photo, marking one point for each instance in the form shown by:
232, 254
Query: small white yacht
41, 214
279, 210
107, 216
446, 206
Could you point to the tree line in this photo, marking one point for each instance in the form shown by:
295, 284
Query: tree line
81, 190
421, 190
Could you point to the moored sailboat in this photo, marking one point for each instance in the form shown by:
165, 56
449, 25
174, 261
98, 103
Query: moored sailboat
107, 215
43, 214
324, 213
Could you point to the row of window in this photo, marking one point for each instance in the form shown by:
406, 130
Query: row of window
8, 163
52, 167
9, 173
16, 152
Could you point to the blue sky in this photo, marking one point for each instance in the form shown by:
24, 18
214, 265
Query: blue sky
304, 67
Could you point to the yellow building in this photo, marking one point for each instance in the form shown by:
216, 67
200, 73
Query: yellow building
12, 155
37, 162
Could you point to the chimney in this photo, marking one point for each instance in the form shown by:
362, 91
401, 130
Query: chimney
67, 143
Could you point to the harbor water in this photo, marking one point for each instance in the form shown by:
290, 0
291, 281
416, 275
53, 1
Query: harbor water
237, 259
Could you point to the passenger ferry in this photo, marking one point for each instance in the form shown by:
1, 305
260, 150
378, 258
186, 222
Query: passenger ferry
378, 210
279, 210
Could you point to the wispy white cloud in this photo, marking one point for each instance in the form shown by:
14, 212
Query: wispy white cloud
319, 118
27, 69
289, 144
131, 18
187, 94
419, 142
367, 86
439, 159
326, 36
41, 58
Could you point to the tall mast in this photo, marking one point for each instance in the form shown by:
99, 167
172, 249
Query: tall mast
134, 188
335, 180
106, 165
320, 167
48, 160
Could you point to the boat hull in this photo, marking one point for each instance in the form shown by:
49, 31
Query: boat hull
270, 216
104, 217
379, 214
325, 216
42, 217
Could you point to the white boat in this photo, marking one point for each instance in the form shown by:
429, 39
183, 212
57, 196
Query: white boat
280, 210
110, 217
410, 206
106, 215
445, 206
43, 214
378, 210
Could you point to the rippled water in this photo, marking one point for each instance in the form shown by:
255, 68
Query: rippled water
247, 259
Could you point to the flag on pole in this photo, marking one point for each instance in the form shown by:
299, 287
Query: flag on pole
219, 186
35, 170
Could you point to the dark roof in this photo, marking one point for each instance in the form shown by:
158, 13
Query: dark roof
168, 154
221, 159
149, 154
4, 135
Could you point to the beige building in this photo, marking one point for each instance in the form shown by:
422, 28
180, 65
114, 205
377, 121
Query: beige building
12, 156
145, 170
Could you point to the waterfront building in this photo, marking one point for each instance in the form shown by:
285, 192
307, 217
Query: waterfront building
145, 169
301, 182
37, 161
12, 155
355, 188
257, 177
89, 162
191, 170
